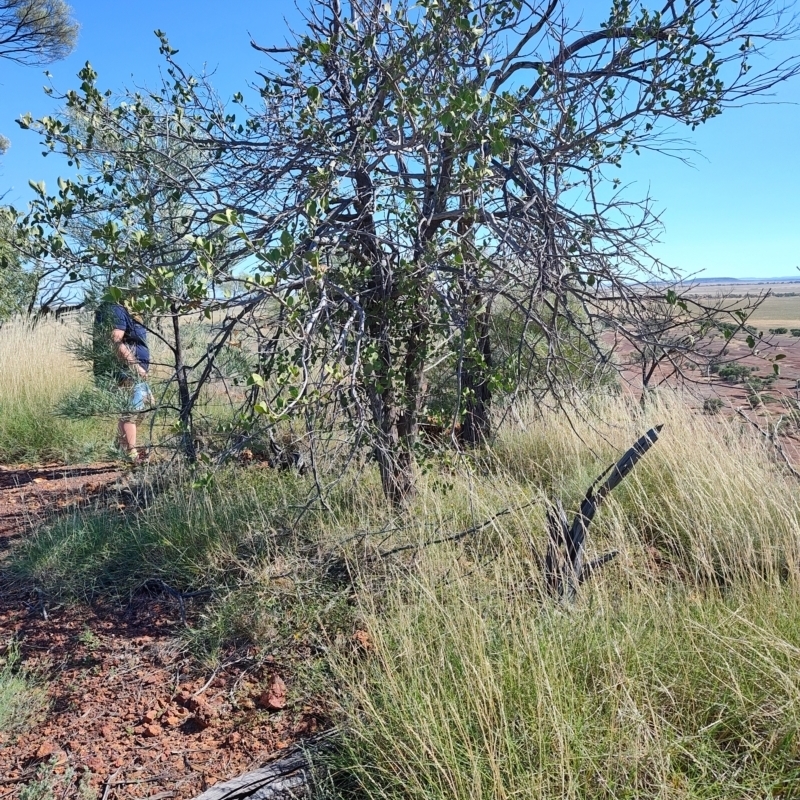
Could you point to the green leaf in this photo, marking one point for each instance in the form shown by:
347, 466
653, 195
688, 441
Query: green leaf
226, 217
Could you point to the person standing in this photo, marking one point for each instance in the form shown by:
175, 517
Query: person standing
130, 365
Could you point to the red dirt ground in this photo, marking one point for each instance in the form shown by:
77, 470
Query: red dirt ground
130, 714
777, 398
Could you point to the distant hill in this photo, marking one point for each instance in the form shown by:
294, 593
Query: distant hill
785, 279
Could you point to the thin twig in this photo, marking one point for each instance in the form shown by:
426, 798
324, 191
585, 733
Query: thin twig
772, 438
461, 534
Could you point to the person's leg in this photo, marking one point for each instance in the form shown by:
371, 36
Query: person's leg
126, 436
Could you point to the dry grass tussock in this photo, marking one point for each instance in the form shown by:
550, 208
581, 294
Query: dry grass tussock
674, 676
36, 371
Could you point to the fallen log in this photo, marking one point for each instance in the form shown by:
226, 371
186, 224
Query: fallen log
290, 777
564, 568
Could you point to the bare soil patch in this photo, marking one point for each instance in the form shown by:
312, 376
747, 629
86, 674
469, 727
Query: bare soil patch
777, 400
130, 713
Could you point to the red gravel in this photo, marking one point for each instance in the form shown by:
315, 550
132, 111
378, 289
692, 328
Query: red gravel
130, 714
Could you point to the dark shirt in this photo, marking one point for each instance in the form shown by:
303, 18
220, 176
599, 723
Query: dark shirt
135, 333
106, 361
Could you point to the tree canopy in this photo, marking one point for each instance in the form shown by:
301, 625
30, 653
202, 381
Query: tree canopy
36, 31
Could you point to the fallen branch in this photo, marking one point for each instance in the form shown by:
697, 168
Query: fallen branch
454, 537
564, 568
288, 778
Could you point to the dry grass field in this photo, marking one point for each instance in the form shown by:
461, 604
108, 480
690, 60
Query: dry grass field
781, 308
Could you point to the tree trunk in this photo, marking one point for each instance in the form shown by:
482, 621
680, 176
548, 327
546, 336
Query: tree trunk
476, 373
184, 394
395, 461
289, 778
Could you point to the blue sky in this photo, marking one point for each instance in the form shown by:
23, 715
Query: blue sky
735, 212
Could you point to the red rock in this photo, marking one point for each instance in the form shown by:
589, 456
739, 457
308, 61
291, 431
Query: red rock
363, 640
45, 750
194, 703
95, 765
274, 699
107, 731
151, 716
152, 730
204, 715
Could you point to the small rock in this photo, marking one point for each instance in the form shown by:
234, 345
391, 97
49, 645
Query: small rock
204, 715
172, 721
151, 716
95, 765
45, 750
107, 731
274, 699
152, 730
194, 703
234, 739
363, 640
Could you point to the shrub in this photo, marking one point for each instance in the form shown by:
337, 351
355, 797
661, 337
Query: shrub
712, 405
755, 399
735, 373
779, 330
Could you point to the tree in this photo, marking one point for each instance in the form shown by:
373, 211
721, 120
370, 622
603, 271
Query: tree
17, 284
130, 218
453, 155
414, 169
36, 31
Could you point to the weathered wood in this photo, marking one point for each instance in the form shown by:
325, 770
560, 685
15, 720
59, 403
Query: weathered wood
564, 567
288, 778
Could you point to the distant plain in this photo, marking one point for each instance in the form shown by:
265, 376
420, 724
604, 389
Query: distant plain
781, 308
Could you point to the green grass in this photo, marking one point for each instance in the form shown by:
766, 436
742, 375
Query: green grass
32, 433
476, 689
265, 576
675, 675
22, 698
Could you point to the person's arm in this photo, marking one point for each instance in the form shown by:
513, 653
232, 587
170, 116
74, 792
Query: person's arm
126, 354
